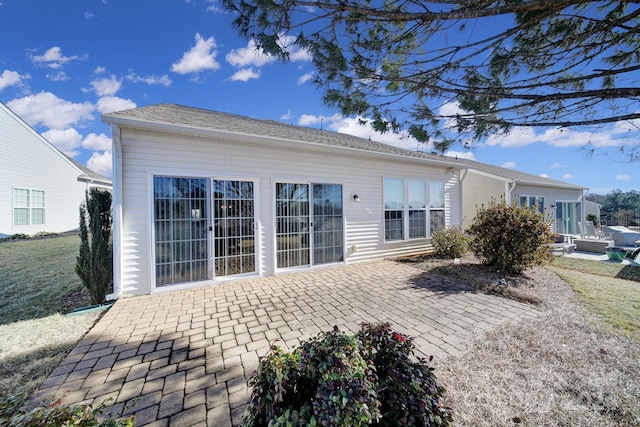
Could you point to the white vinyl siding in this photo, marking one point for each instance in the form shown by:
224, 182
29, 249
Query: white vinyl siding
147, 154
29, 162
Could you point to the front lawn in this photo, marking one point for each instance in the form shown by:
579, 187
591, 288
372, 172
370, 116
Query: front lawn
598, 284
37, 278
37, 286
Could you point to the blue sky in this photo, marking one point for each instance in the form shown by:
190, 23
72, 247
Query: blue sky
64, 63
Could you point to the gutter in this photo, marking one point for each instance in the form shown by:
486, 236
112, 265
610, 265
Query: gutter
116, 212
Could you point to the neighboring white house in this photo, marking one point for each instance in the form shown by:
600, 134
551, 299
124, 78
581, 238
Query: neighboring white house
561, 202
202, 197
40, 188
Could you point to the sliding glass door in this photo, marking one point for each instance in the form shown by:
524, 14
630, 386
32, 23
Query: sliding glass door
565, 217
233, 227
308, 235
180, 221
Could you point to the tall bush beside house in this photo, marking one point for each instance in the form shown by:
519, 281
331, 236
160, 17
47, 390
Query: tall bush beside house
511, 238
450, 242
94, 264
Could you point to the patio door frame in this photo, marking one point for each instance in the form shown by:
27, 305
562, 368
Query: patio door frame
214, 243
572, 221
310, 219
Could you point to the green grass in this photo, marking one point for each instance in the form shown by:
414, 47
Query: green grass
37, 285
599, 268
37, 278
602, 291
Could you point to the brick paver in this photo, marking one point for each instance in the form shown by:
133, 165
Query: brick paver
183, 358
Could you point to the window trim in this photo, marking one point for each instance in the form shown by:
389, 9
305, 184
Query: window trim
406, 209
528, 197
30, 207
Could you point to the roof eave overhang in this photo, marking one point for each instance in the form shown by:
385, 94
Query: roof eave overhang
268, 140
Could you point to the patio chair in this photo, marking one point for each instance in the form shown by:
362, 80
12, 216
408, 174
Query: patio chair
591, 231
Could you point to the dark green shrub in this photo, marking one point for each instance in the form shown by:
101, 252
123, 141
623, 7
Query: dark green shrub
511, 238
593, 218
450, 242
18, 236
94, 264
335, 379
14, 414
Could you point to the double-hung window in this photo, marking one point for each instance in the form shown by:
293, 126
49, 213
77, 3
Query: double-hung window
28, 207
406, 211
533, 202
436, 205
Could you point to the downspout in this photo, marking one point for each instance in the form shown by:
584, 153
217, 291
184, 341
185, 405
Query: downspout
461, 177
117, 212
510, 187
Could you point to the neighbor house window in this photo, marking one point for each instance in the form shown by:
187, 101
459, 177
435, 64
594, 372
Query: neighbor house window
405, 208
533, 202
28, 207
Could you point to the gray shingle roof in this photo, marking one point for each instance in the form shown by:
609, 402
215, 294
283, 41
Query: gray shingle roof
197, 119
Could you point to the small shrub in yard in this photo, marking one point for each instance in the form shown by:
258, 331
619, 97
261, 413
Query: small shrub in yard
450, 242
337, 379
511, 238
13, 414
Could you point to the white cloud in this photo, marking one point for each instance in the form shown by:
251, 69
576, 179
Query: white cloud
611, 136
509, 165
286, 116
199, 58
461, 154
58, 76
544, 175
556, 166
48, 110
250, 58
53, 58
250, 55
305, 78
109, 104
107, 86
94, 141
623, 177
163, 80
101, 163
567, 176
245, 75
12, 78
66, 140
353, 126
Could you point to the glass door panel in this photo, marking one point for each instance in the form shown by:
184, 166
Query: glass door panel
328, 239
180, 221
234, 243
565, 217
292, 225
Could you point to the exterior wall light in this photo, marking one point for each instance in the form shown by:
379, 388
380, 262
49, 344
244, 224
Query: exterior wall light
356, 198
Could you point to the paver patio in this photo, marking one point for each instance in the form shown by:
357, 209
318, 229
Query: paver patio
183, 358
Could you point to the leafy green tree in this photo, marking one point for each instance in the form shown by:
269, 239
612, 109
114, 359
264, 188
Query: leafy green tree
94, 264
507, 63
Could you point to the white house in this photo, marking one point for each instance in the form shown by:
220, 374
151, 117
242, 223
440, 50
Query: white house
40, 188
561, 202
202, 197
